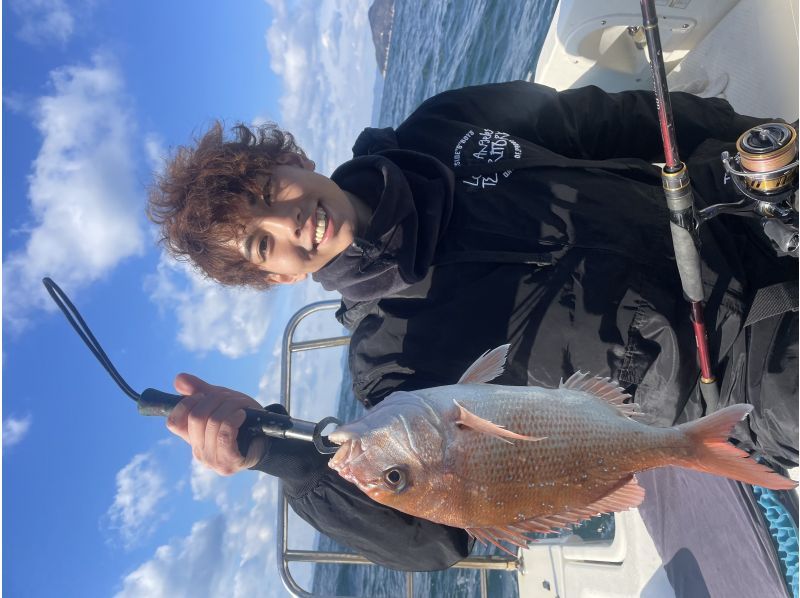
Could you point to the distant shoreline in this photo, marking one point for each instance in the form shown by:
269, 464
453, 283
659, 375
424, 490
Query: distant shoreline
381, 19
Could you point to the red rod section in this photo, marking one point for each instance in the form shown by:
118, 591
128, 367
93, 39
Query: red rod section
663, 104
702, 343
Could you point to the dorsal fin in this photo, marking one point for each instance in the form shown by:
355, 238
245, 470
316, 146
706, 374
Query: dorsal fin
469, 420
487, 367
602, 388
630, 494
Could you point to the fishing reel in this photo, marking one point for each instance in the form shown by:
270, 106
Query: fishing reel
764, 173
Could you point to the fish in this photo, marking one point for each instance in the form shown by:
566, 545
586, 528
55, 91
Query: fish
502, 462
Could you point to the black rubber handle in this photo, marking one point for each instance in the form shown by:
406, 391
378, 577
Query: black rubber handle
257, 422
156, 402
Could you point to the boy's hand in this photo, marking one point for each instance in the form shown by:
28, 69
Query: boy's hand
208, 418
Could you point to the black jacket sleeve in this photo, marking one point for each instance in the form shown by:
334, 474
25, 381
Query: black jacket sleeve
340, 510
587, 123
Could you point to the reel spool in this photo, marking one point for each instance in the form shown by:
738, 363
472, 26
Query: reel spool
764, 172
767, 156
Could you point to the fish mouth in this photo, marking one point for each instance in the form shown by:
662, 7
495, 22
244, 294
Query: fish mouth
349, 454
350, 463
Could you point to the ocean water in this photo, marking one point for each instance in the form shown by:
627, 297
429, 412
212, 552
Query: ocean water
438, 45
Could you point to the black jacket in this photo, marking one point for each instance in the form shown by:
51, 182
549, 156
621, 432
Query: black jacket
538, 219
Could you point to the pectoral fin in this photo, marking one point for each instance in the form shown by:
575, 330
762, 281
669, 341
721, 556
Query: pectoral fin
472, 421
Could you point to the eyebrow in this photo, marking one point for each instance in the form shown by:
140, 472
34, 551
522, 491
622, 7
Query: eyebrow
246, 247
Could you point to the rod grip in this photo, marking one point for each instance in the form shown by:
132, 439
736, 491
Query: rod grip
683, 227
688, 261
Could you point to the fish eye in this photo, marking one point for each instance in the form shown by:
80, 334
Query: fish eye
395, 478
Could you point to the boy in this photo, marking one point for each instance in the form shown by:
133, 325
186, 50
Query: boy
493, 214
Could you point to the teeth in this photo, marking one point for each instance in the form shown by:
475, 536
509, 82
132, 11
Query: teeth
322, 223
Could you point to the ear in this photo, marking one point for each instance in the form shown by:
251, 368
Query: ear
285, 278
295, 159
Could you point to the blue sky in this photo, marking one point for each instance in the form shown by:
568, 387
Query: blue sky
98, 501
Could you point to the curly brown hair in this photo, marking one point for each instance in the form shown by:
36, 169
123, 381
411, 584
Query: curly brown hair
198, 200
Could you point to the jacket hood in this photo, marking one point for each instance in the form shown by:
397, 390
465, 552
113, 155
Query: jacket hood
411, 196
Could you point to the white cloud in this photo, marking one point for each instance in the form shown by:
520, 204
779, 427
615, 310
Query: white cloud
232, 321
207, 485
16, 102
135, 512
44, 21
210, 317
85, 200
155, 152
15, 429
232, 554
323, 51
185, 567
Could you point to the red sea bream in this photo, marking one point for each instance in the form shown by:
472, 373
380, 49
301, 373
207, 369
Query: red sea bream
502, 461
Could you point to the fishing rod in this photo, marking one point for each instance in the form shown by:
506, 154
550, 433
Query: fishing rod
680, 202
764, 174
156, 402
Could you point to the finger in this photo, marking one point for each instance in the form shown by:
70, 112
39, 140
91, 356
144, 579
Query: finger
191, 384
215, 422
187, 384
177, 422
230, 418
198, 419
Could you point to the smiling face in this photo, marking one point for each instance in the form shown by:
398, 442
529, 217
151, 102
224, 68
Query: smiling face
301, 222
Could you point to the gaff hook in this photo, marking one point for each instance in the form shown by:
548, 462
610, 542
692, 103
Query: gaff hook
156, 402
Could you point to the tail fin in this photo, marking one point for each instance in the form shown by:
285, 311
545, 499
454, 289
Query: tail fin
714, 454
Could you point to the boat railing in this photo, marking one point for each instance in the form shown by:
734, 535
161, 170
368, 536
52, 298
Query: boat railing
287, 555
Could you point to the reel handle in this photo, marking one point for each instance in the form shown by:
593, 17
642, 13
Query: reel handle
257, 422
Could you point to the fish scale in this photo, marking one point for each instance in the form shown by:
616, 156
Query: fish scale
504, 461
590, 447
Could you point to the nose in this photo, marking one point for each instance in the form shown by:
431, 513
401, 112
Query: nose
288, 225
288, 220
